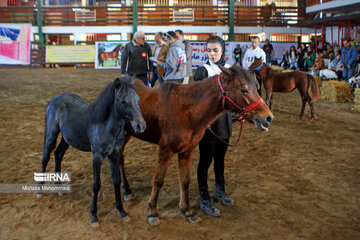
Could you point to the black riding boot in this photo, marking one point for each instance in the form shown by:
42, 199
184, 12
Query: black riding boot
221, 195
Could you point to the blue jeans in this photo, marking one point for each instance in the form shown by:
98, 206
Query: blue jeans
156, 77
348, 73
268, 58
293, 63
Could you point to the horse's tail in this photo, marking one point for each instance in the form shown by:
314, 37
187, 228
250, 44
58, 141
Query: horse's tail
314, 88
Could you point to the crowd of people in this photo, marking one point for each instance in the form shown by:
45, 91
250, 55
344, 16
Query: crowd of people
332, 62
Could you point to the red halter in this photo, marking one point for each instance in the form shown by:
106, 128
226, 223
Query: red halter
243, 111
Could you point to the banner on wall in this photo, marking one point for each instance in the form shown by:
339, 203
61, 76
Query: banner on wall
70, 54
199, 55
15, 43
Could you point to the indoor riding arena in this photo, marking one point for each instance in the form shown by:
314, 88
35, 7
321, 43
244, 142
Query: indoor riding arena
298, 180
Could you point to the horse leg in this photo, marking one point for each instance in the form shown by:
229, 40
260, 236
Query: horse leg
126, 187
116, 179
269, 99
157, 183
97, 161
59, 154
51, 134
309, 100
303, 94
184, 182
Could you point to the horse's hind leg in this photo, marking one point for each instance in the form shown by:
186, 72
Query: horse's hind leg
303, 99
184, 182
59, 154
126, 187
51, 134
304, 96
311, 104
116, 179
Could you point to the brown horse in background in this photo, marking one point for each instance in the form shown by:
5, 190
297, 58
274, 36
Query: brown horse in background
177, 117
275, 81
113, 54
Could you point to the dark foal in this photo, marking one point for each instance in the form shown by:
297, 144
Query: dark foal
177, 116
96, 127
275, 81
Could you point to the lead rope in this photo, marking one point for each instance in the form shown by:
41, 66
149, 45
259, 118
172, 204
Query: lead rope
241, 120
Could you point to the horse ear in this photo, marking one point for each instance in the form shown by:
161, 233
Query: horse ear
225, 70
226, 73
117, 83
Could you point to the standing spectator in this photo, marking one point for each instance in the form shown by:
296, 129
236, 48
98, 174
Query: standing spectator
210, 146
135, 58
159, 50
301, 54
237, 54
175, 63
268, 48
348, 59
309, 59
250, 55
285, 61
188, 51
293, 57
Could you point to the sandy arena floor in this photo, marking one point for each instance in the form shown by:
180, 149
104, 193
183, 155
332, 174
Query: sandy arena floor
301, 180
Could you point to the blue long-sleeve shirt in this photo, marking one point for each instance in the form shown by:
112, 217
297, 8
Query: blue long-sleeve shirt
349, 56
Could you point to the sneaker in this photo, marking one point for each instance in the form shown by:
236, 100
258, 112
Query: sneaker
209, 209
223, 198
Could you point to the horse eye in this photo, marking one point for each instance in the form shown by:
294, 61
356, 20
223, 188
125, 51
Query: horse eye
244, 91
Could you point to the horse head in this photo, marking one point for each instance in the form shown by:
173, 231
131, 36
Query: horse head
257, 64
127, 103
240, 96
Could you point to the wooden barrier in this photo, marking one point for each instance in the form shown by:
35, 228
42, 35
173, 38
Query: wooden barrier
153, 15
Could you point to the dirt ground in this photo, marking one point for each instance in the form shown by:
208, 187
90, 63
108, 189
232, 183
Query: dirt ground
300, 180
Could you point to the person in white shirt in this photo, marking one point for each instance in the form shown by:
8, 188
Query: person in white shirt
251, 53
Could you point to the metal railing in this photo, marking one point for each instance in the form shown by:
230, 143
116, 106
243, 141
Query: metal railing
157, 15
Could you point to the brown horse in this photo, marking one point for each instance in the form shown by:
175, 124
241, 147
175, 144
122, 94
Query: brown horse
177, 117
113, 54
275, 81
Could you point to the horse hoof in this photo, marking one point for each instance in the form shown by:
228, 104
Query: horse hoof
154, 221
125, 219
95, 225
313, 118
126, 197
39, 195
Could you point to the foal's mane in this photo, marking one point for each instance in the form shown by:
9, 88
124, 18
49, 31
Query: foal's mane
101, 108
244, 74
